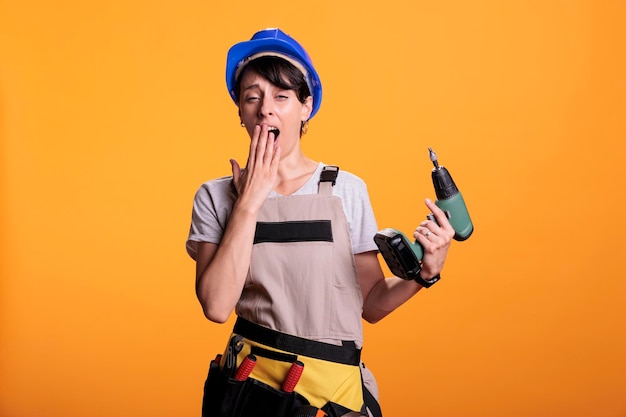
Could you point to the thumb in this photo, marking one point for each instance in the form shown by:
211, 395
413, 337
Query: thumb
236, 168
236, 174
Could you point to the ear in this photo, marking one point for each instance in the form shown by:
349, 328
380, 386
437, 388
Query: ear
307, 108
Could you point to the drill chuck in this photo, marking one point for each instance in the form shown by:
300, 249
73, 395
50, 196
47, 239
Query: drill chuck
443, 183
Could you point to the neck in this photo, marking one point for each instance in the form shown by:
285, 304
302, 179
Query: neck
293, 171
294, 165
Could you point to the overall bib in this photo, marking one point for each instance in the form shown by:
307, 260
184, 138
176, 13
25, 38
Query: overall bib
301, 304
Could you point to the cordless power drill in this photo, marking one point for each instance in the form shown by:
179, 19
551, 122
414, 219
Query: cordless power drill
403, 257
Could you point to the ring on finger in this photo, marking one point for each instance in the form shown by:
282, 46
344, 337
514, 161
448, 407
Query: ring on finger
427, 233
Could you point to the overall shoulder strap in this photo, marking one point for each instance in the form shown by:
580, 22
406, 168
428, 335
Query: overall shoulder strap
328, 177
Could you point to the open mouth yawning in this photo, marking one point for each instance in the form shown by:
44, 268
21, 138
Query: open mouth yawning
275, 131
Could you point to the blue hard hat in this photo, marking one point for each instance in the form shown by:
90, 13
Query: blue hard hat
273, 42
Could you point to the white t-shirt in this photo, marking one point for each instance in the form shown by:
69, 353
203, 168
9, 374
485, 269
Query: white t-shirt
214, 201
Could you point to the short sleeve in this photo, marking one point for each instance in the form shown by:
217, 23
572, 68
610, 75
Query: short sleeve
365, 227
358, 209
212, 205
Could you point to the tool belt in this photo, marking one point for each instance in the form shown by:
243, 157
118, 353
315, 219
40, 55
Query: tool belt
347, 354
255, 377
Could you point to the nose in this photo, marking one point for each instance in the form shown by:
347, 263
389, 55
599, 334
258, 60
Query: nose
265, 108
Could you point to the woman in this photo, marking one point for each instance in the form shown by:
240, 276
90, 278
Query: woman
287, 243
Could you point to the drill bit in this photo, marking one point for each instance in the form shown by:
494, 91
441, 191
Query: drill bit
433, 157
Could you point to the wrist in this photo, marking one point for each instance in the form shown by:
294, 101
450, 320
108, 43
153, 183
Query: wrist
246, 207
426, 282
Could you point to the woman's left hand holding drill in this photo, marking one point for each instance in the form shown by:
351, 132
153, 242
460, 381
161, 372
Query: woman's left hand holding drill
435, 238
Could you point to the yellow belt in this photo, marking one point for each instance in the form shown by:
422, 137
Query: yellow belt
322, 380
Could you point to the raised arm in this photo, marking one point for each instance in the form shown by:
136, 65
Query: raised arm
221, 270
383, 295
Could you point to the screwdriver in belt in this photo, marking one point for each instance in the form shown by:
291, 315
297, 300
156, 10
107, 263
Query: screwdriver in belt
293, 376
245, 368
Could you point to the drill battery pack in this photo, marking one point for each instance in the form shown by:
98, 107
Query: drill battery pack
399, 253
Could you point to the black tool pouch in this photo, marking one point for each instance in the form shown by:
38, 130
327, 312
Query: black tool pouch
336, 410
225, 397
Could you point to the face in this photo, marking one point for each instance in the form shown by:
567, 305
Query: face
263, 103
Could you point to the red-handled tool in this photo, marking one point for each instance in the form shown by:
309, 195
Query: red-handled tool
245, 368
293, 376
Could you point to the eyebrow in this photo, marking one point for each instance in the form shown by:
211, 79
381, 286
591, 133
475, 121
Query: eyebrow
257, 86
251, 86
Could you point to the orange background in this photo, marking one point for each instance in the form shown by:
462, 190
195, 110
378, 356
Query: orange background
113, 113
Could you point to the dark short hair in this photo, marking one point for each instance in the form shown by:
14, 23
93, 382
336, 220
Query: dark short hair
279, 72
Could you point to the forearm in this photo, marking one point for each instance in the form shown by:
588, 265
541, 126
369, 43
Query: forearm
387, 295
220, 280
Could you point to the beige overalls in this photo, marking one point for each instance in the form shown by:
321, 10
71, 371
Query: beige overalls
302, 301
